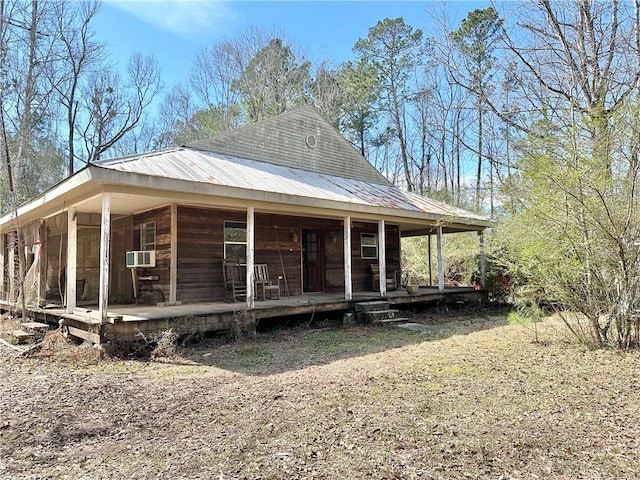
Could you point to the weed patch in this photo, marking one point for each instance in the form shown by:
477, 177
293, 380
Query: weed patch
478, 400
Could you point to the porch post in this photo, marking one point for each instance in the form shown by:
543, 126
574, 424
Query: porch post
440, 261
105, 233
3, 293
430, 260
11, 270
72, 254
382, 258
173, 265
250, 259
483, 261
348, 287
43, 255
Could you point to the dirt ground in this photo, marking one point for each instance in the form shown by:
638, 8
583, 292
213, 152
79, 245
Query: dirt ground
471, 397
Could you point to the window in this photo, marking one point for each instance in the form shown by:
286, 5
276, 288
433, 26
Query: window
235, 240
148, 236
369, 245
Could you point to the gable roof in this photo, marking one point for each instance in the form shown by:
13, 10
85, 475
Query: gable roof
300, 139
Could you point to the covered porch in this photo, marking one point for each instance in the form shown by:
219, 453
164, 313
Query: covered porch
158, 229
132, 322
78, 255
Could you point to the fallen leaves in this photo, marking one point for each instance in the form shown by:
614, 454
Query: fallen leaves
476, 401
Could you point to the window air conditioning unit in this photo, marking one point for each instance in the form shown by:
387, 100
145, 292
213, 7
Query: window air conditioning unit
141, 258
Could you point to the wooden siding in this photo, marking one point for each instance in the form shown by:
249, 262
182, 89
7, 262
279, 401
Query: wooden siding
361, 272
285, 140
4, 254
201, 251
277, 244
120, 282
155, 291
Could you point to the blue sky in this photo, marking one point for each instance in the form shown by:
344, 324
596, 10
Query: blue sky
174, 30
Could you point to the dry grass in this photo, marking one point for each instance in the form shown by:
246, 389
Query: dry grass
473, 398
8, 324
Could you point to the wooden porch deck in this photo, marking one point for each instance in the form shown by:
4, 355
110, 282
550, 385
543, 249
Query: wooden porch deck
127, 322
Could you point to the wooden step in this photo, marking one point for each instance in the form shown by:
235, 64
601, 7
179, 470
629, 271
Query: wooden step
21, 336
35, 325
375, 305
382, 316
394, 320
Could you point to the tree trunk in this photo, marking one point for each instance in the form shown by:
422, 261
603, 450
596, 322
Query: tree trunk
480, 151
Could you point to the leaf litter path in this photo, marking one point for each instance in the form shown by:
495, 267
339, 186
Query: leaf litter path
474, 399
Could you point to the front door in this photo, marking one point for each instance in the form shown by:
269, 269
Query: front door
312, 266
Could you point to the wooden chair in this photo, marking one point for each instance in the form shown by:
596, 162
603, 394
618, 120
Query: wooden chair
263, 283
235, 280
392, 278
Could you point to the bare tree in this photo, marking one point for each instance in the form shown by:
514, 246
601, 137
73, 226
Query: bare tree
328, 96
176, 111
580, 71
213, 70
114, 107
29, 41
217, 68
76, 55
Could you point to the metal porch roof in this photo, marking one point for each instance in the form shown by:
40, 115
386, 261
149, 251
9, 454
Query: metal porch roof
188, 164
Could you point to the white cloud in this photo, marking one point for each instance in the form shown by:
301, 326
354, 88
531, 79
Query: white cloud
185, 18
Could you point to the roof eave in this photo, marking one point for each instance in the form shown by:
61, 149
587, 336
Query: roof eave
264, 198
84, 182
45, 204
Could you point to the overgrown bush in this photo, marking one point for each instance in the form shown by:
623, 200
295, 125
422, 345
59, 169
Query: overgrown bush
165, 343
243, 325
460, 251
501, 281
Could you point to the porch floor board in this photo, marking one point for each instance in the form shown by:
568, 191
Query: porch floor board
126, 321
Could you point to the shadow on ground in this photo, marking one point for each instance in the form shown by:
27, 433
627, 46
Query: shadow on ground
291, 348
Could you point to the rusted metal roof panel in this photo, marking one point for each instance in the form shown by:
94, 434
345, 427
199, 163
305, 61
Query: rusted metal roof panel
198, 166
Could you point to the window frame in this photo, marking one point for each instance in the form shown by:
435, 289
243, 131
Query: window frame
233, 224
364, 246
144, 229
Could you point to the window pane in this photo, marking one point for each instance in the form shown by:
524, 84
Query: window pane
369, 252
369, 240
236, 250
235, 232
369, 245
148, 236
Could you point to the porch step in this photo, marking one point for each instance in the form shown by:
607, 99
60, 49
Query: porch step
374, 305
35, 326
394, 321
390, 316
376, 311
21, 336
382, 316
29, 331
